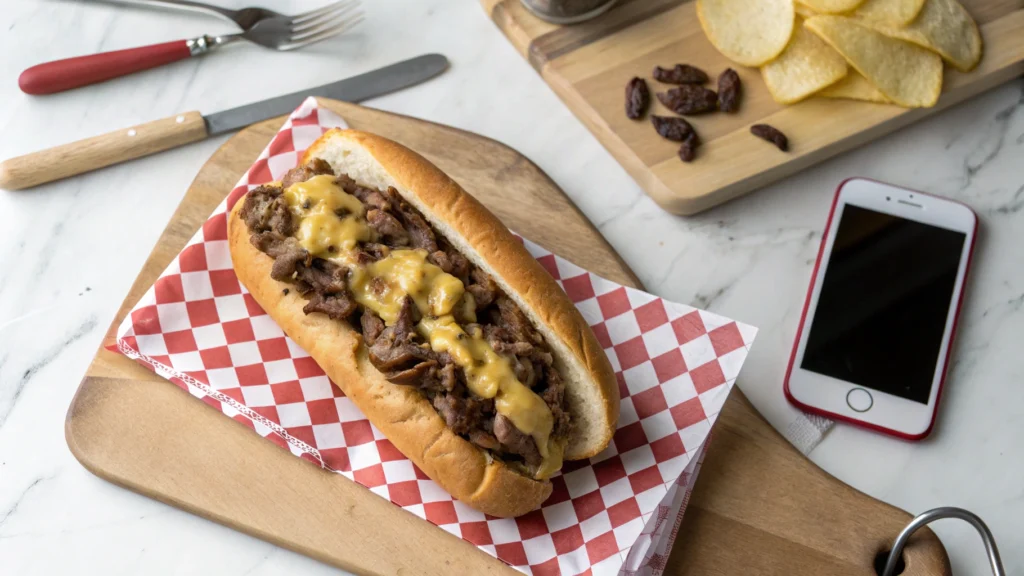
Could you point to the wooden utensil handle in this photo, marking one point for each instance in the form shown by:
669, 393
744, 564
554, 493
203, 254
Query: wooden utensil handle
99, 151
60, 75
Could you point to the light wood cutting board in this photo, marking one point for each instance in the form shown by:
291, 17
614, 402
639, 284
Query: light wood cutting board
588, 66
759, 507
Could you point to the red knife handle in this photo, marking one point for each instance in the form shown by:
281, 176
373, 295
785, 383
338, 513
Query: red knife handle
69, 73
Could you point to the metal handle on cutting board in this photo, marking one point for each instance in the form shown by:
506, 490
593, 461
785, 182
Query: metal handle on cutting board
938, 514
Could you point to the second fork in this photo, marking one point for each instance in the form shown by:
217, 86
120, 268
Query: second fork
282, 33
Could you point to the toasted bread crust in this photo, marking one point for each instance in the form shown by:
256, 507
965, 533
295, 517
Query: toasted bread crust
451, 209
402, 413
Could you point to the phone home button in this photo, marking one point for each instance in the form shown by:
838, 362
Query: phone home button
859, 400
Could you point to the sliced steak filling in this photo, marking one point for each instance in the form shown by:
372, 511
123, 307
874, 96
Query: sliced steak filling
398, 351
315, 167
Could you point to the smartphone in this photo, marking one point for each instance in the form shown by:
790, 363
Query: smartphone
873, 342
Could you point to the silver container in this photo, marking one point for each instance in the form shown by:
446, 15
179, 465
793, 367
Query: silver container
567, 11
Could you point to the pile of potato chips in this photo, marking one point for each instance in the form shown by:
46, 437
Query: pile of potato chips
874, 50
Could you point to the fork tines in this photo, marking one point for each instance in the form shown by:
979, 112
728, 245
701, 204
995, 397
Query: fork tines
324, 22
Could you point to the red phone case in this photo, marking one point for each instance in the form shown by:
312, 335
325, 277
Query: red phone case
807, 303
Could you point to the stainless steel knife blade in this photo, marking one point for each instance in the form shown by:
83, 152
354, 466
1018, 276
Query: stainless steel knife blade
355, 89
144, 139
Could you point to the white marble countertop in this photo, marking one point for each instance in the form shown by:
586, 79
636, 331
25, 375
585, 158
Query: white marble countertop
71, 250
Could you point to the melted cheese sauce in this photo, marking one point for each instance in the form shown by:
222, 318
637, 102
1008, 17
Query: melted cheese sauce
383, 285
332, 224
317, 203
466, 310
490, 375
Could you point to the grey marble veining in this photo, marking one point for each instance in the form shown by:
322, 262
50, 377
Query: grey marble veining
70, 251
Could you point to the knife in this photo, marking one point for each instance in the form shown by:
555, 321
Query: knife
145, 139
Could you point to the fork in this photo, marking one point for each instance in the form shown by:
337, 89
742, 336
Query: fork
245, 18
279, 33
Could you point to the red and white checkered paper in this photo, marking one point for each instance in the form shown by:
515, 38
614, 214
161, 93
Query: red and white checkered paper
615, 514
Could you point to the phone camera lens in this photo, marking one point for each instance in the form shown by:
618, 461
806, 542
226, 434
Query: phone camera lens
887, 198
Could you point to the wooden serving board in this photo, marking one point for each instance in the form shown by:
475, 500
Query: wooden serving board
588, 66
758, 507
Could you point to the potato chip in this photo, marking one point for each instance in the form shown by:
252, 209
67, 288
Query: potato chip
748, 32
831, 6
803, 11
943, 26
895, 12
906, 73
807, 65
854, 87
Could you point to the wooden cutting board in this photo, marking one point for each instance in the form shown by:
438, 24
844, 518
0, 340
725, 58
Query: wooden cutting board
758, 507
588, 66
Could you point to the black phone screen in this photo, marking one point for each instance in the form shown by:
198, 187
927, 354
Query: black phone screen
883, 304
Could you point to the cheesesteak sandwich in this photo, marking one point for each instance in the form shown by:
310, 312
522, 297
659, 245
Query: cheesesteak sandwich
431, 317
